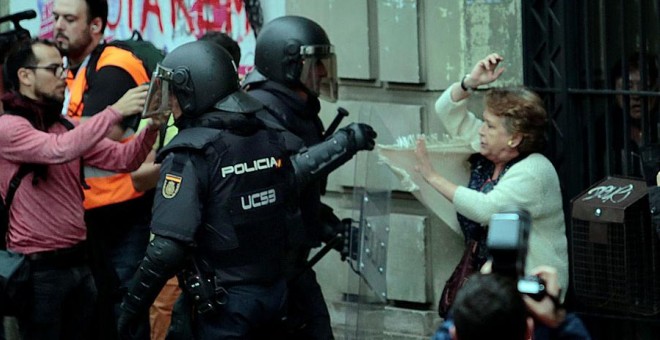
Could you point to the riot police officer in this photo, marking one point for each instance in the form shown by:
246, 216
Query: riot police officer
225, 180
295, 64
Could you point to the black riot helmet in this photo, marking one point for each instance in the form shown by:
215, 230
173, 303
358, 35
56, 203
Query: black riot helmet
296, 52
203, 77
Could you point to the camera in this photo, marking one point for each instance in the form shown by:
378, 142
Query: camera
532, 286
507, 242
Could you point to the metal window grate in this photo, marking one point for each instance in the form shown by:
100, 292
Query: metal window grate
573, 53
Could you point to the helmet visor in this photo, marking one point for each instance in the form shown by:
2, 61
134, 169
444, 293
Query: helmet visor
157, 102
319, 73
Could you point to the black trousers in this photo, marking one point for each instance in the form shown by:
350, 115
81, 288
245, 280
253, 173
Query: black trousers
307, 314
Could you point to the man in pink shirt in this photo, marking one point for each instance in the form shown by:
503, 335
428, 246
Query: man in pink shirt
46, 216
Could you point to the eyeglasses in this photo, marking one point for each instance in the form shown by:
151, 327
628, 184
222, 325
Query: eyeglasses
57, 70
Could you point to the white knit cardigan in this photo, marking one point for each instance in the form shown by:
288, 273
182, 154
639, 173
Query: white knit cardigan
532, 183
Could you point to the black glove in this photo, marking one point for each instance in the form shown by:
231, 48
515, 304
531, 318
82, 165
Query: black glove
127, 324
351, 242
334, 230
132, 323
330, 222
164, 258
363, 135
347, 246
331, 231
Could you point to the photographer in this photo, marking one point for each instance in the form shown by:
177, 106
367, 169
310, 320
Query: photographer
490, 306
508, 303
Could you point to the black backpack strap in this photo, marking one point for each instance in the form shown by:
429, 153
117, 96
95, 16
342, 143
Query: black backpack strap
5, 204
136, 35
23, 170
90, 71
69, 126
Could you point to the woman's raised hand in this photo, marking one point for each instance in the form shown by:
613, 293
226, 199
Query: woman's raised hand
485, 71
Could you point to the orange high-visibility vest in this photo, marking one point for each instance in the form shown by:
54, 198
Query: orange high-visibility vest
106, 187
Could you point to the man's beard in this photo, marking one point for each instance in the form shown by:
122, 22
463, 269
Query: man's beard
51, 102
77, 50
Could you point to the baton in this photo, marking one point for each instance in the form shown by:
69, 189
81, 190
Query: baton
341, 113
318, 256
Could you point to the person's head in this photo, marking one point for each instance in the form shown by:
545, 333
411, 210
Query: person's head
225, 42
635, 81
489, 306
79, 26
514, 124
34, 69
200, 77
296, 52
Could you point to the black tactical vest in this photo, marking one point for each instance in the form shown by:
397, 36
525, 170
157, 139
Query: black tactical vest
243, 232
304, 228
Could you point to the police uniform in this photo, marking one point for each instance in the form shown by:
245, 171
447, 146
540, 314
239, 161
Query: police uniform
222, 202
308, 309
275, 82
223, 193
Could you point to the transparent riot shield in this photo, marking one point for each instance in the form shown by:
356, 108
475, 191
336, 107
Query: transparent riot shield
367, 296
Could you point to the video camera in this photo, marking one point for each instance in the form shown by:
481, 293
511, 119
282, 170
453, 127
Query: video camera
9, 38
508, 236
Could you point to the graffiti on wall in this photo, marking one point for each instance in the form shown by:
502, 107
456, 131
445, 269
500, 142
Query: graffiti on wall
171, 23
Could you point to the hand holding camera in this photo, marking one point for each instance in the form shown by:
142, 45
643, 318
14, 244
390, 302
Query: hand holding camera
547, 309
533, 287
508, 235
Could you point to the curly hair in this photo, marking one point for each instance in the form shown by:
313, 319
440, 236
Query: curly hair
523, 113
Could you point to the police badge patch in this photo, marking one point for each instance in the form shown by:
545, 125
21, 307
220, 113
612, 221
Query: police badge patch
171, 185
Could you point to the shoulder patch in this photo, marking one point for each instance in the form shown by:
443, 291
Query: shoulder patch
171, 185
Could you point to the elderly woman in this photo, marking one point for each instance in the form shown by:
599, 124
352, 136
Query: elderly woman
507, 168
